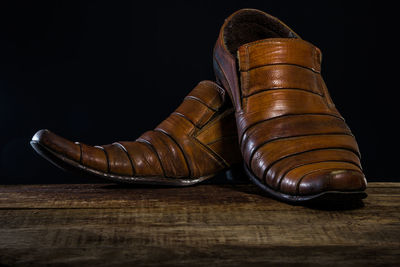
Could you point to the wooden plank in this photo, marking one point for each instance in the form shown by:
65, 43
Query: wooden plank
218, 225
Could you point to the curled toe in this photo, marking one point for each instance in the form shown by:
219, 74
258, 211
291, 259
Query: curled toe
56, 144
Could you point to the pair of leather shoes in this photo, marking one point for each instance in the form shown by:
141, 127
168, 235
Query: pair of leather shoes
278, 119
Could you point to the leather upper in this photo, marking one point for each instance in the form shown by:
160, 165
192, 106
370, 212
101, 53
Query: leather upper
291, 136
197, 140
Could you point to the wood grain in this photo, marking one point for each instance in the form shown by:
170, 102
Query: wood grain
215, 225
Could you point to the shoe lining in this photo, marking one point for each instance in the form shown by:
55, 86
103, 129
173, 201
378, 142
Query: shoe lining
249, 26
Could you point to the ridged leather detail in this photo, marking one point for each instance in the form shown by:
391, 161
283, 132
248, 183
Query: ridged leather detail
291, 135
197, 140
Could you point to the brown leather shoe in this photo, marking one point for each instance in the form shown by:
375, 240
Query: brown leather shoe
194, 143
295, 144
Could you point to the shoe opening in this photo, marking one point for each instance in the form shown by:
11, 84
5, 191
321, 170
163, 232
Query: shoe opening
249, 25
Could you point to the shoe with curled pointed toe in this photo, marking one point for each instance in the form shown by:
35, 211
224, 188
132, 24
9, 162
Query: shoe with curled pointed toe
295, 144
194, 143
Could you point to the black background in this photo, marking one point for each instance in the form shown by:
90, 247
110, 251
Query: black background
103, 71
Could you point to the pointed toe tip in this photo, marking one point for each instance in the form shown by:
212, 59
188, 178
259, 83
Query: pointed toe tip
39, 135
333, 180
45, 139
347, 180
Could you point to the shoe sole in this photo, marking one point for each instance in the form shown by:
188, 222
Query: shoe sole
328, 196
72, 166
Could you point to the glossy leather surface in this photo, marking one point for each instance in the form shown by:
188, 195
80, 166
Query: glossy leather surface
194, 143
292, 138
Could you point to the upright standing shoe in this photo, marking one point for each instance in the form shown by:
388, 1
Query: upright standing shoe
295, 144
194, 143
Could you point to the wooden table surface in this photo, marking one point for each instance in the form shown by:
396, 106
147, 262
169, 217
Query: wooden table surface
213, 225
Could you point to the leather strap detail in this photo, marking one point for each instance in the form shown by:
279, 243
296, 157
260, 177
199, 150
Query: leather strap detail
123, 148
195, 134
171, 156
205, 92
303, 125
273, 77
94, 157
277, 104
287, 112
275, 51
267, 154
144, 158
195, 111
180, 130
106, 157
118, 160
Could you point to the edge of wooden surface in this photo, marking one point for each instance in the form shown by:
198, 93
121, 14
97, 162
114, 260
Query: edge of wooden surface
203, 225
